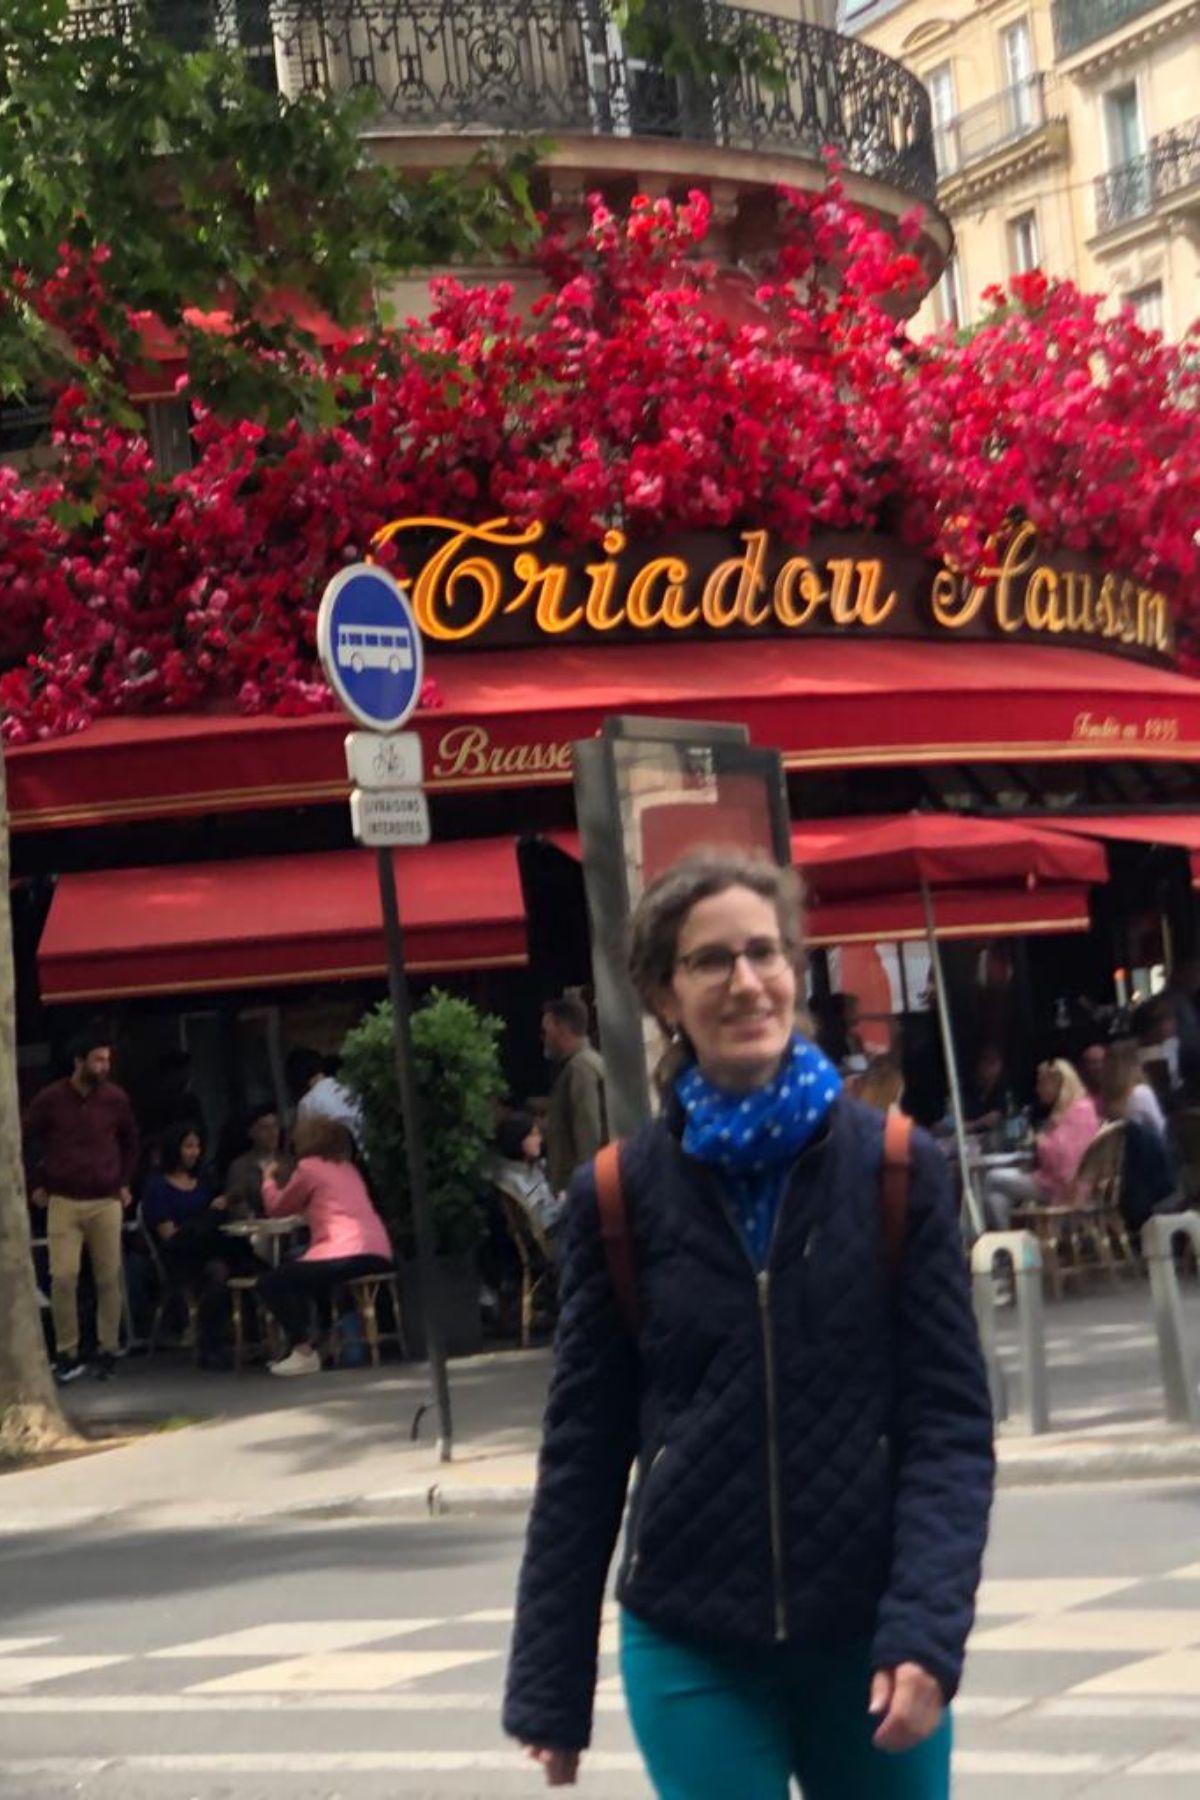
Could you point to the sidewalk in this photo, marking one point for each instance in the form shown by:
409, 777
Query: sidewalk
340, 1446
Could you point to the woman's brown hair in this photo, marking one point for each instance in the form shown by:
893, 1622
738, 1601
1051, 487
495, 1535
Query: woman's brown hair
318, 1135
883, 1084
660, 914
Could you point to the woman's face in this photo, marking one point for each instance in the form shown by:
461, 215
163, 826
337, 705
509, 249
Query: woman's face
189, 1152
264, 1134
531, 1146
1049, 1084
739, 1019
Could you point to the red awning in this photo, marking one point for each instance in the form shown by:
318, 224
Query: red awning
1161, 831
958, 913
944, 850
282, 920
978, 910
508, 720
166, 355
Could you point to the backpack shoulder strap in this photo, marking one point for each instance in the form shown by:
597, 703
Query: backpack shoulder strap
897, 1172
614, 1230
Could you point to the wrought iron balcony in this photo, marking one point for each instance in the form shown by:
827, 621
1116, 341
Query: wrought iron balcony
982, 130
1078, 23
559, 67
1169, 168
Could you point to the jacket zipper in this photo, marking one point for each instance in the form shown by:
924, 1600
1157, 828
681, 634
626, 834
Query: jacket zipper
641, 1517
774, 1491
762, 1281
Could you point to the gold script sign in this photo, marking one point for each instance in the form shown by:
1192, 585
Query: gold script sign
467, 753
495, 584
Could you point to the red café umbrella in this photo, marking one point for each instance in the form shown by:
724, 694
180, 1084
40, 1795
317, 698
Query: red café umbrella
938, 850
922, 852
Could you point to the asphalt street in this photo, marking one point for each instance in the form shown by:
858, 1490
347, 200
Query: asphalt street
344, 1661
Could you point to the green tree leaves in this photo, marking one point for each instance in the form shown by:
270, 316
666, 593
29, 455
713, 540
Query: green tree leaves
209, 191
459, 1082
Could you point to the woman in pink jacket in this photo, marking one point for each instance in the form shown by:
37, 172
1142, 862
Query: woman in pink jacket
1060, 1144
347, 1236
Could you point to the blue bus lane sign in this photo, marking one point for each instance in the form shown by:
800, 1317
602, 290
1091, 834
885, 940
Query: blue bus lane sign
370, 648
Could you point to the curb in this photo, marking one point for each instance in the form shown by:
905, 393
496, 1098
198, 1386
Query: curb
399, 1504
1019, 1468
1099, 1462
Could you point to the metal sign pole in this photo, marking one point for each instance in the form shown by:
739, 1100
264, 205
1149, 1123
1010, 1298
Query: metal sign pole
370, 650
414, 1148
970, 1198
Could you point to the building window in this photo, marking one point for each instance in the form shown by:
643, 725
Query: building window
1123, 126
944, 105
1147, 304
1126, 191
951, 297
244, 25
1024, 247
1017, 45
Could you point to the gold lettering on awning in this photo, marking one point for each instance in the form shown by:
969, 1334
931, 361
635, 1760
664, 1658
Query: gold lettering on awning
486, 582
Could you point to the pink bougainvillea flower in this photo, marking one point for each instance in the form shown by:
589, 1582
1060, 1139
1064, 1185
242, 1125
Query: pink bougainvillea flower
633, 393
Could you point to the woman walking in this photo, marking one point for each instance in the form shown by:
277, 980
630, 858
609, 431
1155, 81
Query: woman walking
791, 1360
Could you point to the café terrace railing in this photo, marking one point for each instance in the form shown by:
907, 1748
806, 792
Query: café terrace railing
1171, 166
543, 67
1078, 23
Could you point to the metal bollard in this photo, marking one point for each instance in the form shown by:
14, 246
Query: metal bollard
1022, 1249
1178, 1368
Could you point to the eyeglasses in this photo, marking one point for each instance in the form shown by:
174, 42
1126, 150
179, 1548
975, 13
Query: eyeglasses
712, 965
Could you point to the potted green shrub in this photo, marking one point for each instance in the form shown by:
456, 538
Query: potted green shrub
459, 1081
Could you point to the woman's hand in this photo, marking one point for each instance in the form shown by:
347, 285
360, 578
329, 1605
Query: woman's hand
908, 1702
561, 1766
220, 1204
168, 1229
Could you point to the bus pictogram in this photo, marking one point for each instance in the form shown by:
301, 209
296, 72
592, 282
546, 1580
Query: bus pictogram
362, 647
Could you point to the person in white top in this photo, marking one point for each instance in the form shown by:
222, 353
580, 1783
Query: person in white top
319, 1094
1123, 1072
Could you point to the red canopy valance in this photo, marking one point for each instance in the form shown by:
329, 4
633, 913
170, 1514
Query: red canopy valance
272, 921
508, 719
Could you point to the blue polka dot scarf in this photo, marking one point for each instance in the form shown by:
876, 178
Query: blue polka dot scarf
753, 1139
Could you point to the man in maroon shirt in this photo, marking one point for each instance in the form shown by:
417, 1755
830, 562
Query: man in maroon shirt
81, 1145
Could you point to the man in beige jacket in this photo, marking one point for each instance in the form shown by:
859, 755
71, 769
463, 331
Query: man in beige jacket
576, 1124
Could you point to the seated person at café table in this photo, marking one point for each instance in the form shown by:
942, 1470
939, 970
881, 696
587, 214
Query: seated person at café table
986, 1095
1091, 1067
243, 1183
1071, 1124
518, 1170
184, 1219
348, 1238
1148, 1181
1124, 1091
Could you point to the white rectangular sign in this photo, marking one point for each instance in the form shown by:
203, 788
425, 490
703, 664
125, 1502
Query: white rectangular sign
401, 817
378, 761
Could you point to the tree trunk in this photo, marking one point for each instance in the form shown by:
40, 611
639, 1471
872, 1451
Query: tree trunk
30, 1418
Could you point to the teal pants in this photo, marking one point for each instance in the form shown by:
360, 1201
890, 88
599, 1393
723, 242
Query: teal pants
715, 1725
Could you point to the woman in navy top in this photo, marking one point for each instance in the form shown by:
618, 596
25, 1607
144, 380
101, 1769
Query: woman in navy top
183, 1217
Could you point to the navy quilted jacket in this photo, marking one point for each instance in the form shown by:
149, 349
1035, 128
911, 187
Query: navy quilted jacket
814, 1447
